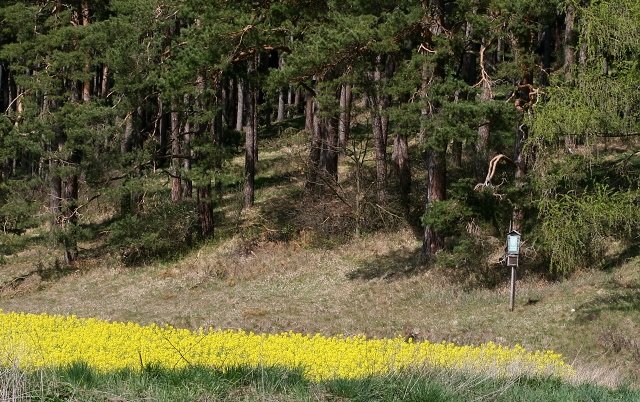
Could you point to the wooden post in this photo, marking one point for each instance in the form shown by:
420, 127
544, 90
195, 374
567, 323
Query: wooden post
513, 288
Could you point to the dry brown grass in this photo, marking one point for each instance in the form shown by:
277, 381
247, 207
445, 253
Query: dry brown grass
280, 286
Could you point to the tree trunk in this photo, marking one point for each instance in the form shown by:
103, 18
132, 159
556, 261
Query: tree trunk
104, 82
436, 191
309, 112
315, 148
176, 182
402, 167
329, 156
86, 85
240, 106
250, 149
187, 186
281, 106
205, 210
281, 94
380, 149
344, 127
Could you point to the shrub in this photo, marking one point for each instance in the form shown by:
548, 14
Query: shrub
156, 232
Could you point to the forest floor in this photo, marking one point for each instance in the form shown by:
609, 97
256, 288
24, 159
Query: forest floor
265, 274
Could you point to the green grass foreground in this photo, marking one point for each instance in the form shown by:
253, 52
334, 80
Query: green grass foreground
78, 382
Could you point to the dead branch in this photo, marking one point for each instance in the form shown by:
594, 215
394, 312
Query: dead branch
493, 163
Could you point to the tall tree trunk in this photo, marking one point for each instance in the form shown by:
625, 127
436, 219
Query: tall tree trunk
402, 167
436, 191
205, 210
436, 164
86, 85
240, 105
377, 103
380, 150
344, 127
281, 94
104, 82
250, 148
329, 153
187, 186
315, 148
309, 112
281, 106
176, 182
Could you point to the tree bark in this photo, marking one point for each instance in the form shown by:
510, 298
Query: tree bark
281, 106
315, 148
86, 85
250, 149
436, 191
240, 106
329, 154
176, 182
402, 167
104, 82
344, 127
187, 186
379, 125
282, 93
309, 112
205, 210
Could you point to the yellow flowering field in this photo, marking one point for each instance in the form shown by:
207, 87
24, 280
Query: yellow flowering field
36, 341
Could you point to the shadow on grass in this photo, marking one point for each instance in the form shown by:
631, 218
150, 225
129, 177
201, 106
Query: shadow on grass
629, 252
15, 243
262, 182
395, 265
625, 299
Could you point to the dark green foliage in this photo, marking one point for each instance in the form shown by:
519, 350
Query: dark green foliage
160, 230
123, 94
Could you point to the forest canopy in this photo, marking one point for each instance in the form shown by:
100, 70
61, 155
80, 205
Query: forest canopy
462, 119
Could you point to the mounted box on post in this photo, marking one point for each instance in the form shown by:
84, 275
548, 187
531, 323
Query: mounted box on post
513, 251
513, 242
